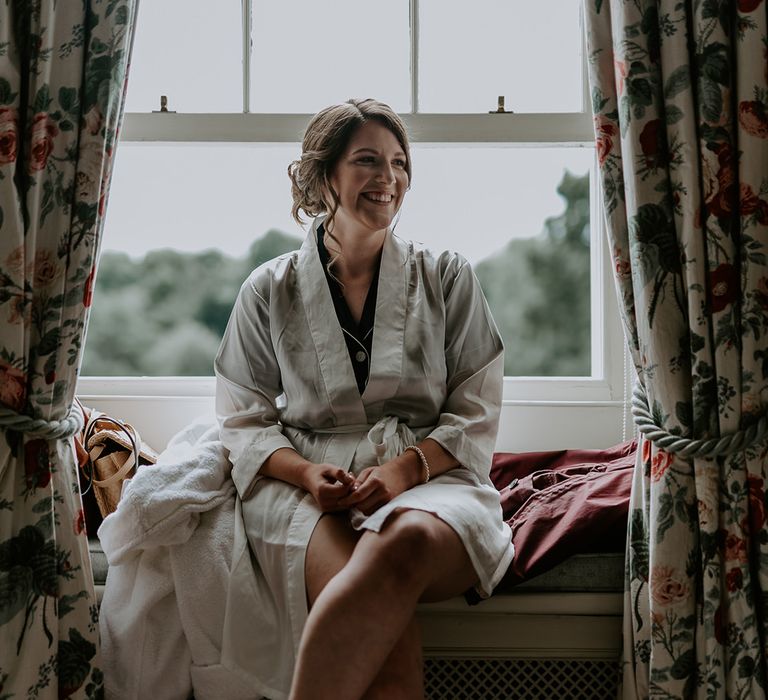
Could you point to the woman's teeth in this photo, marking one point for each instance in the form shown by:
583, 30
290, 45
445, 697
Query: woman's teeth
376, 197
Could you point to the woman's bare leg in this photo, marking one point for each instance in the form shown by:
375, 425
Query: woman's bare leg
329, 550
330, 547
402, 675
362, 613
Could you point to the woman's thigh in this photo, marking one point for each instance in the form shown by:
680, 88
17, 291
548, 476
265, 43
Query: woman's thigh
330, 548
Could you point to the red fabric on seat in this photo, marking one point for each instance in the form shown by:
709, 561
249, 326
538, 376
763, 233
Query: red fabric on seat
562, 503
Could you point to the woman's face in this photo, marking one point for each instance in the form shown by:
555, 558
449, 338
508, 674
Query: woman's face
370, 179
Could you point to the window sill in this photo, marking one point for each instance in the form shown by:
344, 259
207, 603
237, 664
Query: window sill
577, 418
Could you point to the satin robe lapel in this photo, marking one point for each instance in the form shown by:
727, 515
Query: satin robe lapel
389, 324
332, 354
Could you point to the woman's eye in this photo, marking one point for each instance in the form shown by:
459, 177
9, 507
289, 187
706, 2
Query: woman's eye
399, 162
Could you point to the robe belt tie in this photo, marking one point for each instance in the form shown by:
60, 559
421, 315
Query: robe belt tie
39, 428
687, 447
388, 436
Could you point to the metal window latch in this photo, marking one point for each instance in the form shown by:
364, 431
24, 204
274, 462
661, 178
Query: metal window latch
500, 109
164, 106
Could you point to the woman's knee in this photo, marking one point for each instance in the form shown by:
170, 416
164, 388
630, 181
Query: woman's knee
419, 551
407, 544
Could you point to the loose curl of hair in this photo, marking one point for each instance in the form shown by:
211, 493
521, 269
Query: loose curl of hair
325, 141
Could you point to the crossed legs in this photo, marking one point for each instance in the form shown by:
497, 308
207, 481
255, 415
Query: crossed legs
361, 639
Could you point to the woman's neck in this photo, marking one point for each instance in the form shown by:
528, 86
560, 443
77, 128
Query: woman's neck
360, 252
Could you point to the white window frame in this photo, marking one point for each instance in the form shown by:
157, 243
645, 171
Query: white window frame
543, 396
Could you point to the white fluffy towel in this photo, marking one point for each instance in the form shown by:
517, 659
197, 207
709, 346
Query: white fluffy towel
169, 547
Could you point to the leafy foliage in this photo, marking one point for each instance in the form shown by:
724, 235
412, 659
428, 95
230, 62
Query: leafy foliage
165, 314
538, 290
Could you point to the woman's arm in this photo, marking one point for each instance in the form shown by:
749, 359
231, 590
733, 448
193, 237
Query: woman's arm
247, 385
248, 381
474, 358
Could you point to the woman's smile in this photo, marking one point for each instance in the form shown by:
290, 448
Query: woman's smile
378, 197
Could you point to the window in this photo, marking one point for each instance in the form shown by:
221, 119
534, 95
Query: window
200, 196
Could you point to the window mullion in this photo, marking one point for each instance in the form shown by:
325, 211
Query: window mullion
247, 6
586, 98
414, 12
600, 350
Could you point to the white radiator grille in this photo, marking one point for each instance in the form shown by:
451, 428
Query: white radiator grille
520, 679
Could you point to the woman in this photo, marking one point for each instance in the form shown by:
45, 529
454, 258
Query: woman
358, 392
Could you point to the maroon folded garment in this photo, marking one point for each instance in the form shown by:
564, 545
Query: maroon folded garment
563, 503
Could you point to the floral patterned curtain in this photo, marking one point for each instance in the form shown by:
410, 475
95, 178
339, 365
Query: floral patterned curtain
680, 97
62, 78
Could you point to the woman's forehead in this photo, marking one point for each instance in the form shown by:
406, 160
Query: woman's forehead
374, 136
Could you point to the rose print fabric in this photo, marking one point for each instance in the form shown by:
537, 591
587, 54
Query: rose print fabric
680, 98
62, 77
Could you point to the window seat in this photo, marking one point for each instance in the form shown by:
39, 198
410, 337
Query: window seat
557, 635
581, 573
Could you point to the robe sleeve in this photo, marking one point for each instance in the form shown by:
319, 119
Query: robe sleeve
474, 356
247, 386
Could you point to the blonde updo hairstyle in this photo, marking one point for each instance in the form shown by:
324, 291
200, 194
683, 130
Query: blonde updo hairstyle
325, 141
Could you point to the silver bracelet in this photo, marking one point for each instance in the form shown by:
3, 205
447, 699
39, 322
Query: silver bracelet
423, 459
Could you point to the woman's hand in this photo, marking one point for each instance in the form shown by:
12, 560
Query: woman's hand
328, 485
376, 486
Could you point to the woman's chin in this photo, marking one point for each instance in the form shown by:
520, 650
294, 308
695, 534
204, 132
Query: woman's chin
377, 223
385, 218
373, 221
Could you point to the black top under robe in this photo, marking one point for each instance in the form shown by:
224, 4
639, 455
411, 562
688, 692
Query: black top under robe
358, 337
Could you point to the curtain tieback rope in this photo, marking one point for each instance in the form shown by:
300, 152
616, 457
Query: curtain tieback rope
36, 427
688, 447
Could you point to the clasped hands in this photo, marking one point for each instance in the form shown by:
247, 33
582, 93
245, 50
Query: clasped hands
335, 489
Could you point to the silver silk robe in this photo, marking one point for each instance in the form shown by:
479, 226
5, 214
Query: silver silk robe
285, 379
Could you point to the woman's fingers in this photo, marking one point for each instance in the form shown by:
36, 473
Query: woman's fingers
364, 490
372, 503
340, 490
364, 475
333, 474
333, 491
331, 483
339, 481
370, 488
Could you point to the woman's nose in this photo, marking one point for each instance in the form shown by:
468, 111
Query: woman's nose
386, 173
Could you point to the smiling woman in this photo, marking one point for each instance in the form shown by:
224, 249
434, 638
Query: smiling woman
358, 401
389, 464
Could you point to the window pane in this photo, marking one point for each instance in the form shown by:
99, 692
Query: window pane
348, 48
521, 217
187, 223
189, 51
467, 61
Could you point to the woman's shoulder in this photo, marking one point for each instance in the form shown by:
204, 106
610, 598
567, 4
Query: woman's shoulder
272, 273
446, 263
